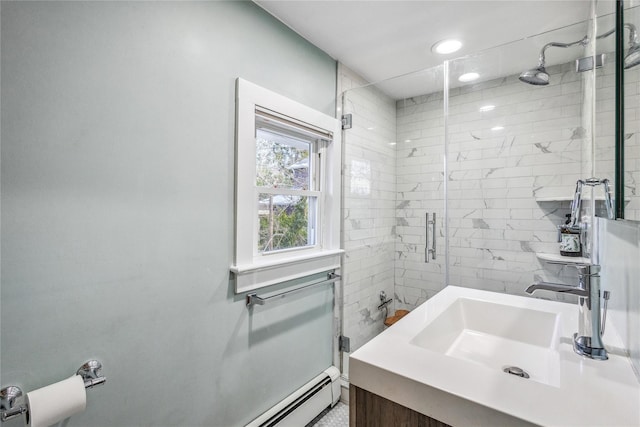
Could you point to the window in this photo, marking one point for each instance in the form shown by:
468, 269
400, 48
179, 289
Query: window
287, 189
288, 163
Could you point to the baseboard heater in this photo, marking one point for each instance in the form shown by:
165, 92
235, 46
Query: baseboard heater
304, 404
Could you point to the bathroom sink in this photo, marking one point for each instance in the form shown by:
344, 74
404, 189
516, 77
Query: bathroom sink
446, 358
497, 336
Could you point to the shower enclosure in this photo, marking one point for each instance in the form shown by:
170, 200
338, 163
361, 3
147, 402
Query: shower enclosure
495, 159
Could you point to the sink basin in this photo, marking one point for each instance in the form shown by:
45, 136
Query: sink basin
445, 360
497, 336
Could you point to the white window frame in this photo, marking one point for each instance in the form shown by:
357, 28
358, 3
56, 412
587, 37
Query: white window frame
252, 269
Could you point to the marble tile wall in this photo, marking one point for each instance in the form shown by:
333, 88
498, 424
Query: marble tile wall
420, 189
529, 146
369, 192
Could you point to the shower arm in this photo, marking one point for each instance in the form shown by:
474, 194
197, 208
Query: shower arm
541, 60
633, 33
633, 40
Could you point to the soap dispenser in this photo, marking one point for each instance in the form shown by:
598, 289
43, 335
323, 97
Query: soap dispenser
569, 238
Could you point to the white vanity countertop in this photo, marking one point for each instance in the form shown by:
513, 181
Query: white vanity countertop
460, 392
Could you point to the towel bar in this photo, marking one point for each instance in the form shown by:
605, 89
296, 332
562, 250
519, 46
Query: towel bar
253, 299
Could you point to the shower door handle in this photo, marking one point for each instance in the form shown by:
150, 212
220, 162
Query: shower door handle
430, 250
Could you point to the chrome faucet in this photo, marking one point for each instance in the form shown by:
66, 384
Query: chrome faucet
588, 340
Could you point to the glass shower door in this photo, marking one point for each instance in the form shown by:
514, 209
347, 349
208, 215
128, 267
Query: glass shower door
420, 208
393, 176
514, 153
368, 210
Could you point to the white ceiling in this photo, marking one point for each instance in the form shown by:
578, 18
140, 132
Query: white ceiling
384, 39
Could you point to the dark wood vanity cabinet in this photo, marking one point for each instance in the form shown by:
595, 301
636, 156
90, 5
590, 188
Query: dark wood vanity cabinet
370, 410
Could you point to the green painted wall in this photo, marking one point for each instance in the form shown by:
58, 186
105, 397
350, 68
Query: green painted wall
117, 209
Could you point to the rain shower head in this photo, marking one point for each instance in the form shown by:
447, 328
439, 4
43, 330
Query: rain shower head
632, 58
539, 76
536, 76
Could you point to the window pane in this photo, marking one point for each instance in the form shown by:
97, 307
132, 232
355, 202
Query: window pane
286, 221
282, 161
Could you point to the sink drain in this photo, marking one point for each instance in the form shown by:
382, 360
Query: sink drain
514, 370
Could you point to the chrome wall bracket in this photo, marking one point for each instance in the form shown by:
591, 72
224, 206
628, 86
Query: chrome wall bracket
346, 121
586, 63
8, 399
91, 373
344, 344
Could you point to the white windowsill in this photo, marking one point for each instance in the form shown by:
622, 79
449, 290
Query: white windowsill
260, 274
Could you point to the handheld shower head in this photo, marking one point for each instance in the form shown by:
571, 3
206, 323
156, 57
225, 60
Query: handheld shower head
536, 76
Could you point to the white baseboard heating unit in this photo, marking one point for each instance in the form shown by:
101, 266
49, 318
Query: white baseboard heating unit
304, 404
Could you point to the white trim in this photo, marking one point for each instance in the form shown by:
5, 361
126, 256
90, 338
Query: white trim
268, 116
258, 270
249, 268
287, 192
256, 276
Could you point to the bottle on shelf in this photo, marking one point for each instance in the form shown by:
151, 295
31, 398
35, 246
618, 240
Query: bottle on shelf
569, 238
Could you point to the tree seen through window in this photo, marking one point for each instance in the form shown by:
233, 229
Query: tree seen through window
282, 174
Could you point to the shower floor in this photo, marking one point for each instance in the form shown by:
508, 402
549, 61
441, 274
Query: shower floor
338, 416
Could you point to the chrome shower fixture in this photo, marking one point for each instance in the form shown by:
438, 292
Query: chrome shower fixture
632, 58
538, 76
535, 76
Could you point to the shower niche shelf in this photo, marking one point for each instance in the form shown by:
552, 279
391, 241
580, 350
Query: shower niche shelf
570, 198
559, 259
554, 199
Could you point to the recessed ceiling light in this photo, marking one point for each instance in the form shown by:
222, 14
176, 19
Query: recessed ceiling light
497, 128
468, 77
392, 143
486, 108
446, 46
